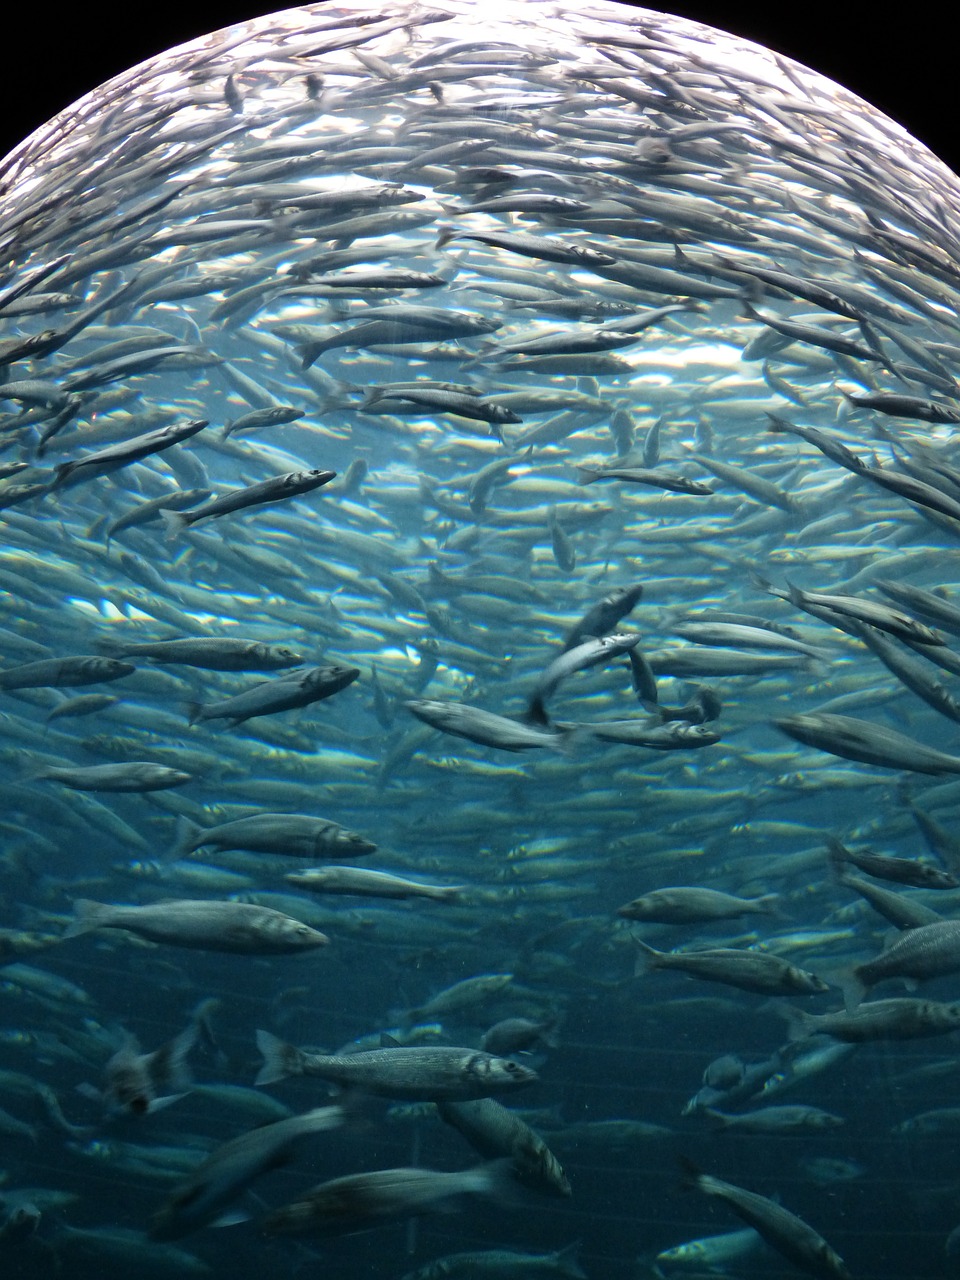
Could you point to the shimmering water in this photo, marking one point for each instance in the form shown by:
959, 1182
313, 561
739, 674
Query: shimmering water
608, 325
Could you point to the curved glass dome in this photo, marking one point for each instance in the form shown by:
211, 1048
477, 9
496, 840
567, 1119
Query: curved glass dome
479, 489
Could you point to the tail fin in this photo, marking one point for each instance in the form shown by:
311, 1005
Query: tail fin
185, 837
565, 1262
496, 1180
690, 1174
111, 646
800, 1024
279, 1059
853, 987
647, 959
87, 917
174, 523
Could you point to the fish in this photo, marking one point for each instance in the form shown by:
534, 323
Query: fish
902, 1018
484, 727
495, 1132
207, 925
290, 834
298, 689
276, 489
64, 672
398, 1071
363, 882
360, 1201
788, 1234
693, 905
212, 653
131, 775
748, 970
865, 741
226, 1173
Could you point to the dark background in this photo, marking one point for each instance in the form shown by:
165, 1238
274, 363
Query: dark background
901, 57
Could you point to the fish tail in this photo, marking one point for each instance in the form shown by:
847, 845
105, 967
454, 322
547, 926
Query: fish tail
536, 712
279, 1059
838, 856
110, 646
647, 959
853, 987
185, 838
194, 711
308, 353
322, 1118
586, 475
717, 1118
566, 1263
174, 523
450, 893
445, 233
496, 1180
690, 1174
87, 917
800, 1024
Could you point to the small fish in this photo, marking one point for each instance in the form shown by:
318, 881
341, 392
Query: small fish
276, 489
241, 927
365, 883
131, 776
417, 1073
361, 1201
749, 970
789, 1235
227, 1172
694, 905
283, 694
484, 727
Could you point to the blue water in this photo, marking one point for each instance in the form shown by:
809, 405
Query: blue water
696, 163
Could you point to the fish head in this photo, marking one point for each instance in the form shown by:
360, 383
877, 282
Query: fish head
354, 846
333, 678
806, 982
299, 936
500, 1073
281, 655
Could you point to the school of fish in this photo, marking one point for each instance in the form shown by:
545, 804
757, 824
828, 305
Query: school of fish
478, 663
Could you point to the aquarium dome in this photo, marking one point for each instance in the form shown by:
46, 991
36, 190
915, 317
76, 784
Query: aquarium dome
481, 625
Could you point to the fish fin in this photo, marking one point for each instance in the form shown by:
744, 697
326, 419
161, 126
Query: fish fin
159, 1104
838, 856
690, 1174
797, 1020
536, 712
717, 1118
647, 959
496, 1180
174, 523
184, 839
279, 1059
565, 1262
853, 988
232, 1218
387, 1041
111, 646
308, 353
451, 892
87, 917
